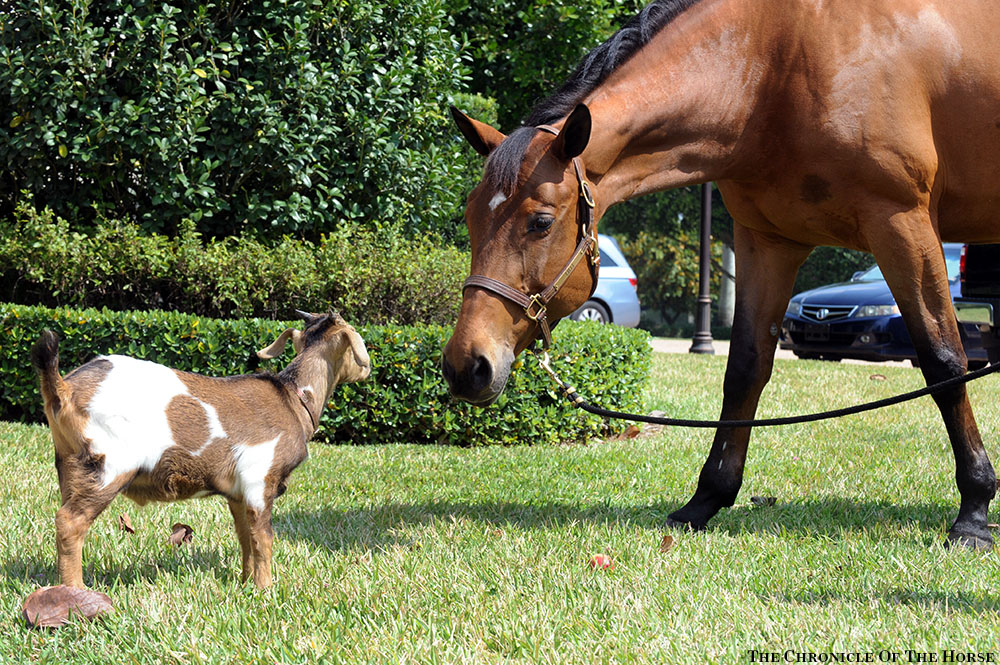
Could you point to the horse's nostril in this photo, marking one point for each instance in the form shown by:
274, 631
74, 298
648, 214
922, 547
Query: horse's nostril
482, 373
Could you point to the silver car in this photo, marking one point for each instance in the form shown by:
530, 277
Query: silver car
615, 299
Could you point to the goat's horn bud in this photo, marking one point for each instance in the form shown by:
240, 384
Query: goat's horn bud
306, 316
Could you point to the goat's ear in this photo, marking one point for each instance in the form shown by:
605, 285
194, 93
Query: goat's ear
358, 348
277, 347
483, 138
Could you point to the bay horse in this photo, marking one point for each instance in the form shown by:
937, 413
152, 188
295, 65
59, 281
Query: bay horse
869, 125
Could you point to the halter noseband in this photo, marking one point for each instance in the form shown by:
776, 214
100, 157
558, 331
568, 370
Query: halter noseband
535, 305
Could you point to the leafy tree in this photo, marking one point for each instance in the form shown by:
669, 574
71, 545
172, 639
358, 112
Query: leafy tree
274, 116
521, 50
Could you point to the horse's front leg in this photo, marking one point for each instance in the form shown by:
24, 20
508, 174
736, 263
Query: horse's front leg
765, 272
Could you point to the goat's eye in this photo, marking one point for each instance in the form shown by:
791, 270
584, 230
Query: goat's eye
540, 223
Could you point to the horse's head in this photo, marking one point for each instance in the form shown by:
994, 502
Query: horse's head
533, 236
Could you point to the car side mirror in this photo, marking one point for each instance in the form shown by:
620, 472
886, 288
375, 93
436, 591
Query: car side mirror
857, 275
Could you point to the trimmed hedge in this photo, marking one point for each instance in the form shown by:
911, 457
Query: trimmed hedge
404, 400
372, 276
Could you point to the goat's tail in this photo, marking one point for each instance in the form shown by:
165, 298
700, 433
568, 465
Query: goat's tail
45, 360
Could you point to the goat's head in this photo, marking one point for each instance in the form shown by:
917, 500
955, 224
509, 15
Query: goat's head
335, 340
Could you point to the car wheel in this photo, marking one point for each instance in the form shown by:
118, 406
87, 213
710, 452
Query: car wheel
592, 311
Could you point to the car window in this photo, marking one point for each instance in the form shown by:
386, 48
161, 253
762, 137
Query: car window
607, 260
952, 258
952, 261
873, 274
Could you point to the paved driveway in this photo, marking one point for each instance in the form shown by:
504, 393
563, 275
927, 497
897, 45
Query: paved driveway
664, 345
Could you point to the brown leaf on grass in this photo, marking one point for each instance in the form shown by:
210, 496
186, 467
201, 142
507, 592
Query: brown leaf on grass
877, 377
763, 500
52, 606
667, 543
631, 432
180, 534
125, 524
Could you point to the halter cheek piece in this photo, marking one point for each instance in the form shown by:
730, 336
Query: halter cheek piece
535, 305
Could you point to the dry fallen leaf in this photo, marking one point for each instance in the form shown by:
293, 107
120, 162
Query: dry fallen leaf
877, 377
51, 606
602, 561
631, 432
125, 524
993, 525
667, 543
763, 500
181, 534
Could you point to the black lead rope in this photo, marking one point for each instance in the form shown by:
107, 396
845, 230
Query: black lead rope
570, 393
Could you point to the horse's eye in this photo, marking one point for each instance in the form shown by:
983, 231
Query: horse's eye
540, 223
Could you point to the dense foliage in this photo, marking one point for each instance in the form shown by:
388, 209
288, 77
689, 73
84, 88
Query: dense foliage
827, 265
405, 399
369, 276
522, 50
279, 116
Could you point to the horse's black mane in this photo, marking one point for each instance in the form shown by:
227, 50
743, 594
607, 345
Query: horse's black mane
503, 164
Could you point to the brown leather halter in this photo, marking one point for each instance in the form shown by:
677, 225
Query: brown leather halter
535, 305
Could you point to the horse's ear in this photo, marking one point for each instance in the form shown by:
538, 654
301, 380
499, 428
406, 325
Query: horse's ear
480, 136
575, 134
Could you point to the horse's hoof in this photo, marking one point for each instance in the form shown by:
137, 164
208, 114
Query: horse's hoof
673, 522
970, 538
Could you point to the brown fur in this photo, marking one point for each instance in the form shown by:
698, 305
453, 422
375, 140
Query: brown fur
872, 127
250, 408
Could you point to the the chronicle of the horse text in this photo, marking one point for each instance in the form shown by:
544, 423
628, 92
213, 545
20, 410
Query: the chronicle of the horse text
882, 656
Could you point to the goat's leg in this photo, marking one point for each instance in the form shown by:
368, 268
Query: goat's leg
73, 520
239, 512
261, 539
909, 253
765, 271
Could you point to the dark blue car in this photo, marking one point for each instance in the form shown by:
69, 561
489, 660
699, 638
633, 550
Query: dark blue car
860, 319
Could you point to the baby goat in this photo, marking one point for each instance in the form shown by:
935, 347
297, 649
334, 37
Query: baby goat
122, 425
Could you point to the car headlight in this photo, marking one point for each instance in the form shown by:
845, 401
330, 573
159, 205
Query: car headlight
794, 309
870, 311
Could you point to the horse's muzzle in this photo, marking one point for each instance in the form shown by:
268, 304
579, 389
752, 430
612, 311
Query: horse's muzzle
479, 382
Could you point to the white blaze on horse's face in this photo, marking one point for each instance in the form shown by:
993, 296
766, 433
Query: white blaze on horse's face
497, 200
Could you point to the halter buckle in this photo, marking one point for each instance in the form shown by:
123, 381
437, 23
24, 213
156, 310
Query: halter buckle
539, 304
586, 194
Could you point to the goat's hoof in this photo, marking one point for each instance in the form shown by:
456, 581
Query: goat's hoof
970, 537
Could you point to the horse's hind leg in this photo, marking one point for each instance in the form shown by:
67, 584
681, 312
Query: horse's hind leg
765, 271
910, 256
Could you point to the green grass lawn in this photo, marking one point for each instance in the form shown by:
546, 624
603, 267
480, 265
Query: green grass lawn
439, 555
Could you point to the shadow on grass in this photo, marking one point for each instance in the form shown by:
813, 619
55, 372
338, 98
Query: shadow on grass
938, 601
383, 527
144, 568
376, 525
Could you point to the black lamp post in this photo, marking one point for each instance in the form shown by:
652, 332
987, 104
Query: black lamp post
702, 341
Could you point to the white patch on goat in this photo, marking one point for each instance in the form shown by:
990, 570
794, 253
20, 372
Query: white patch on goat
215, 429
497, 200
253, 461
128, 415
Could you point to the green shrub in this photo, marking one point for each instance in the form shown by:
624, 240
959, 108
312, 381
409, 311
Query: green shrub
404, 400
275, 116
370, 276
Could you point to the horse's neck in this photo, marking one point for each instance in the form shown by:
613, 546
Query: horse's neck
674, 113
